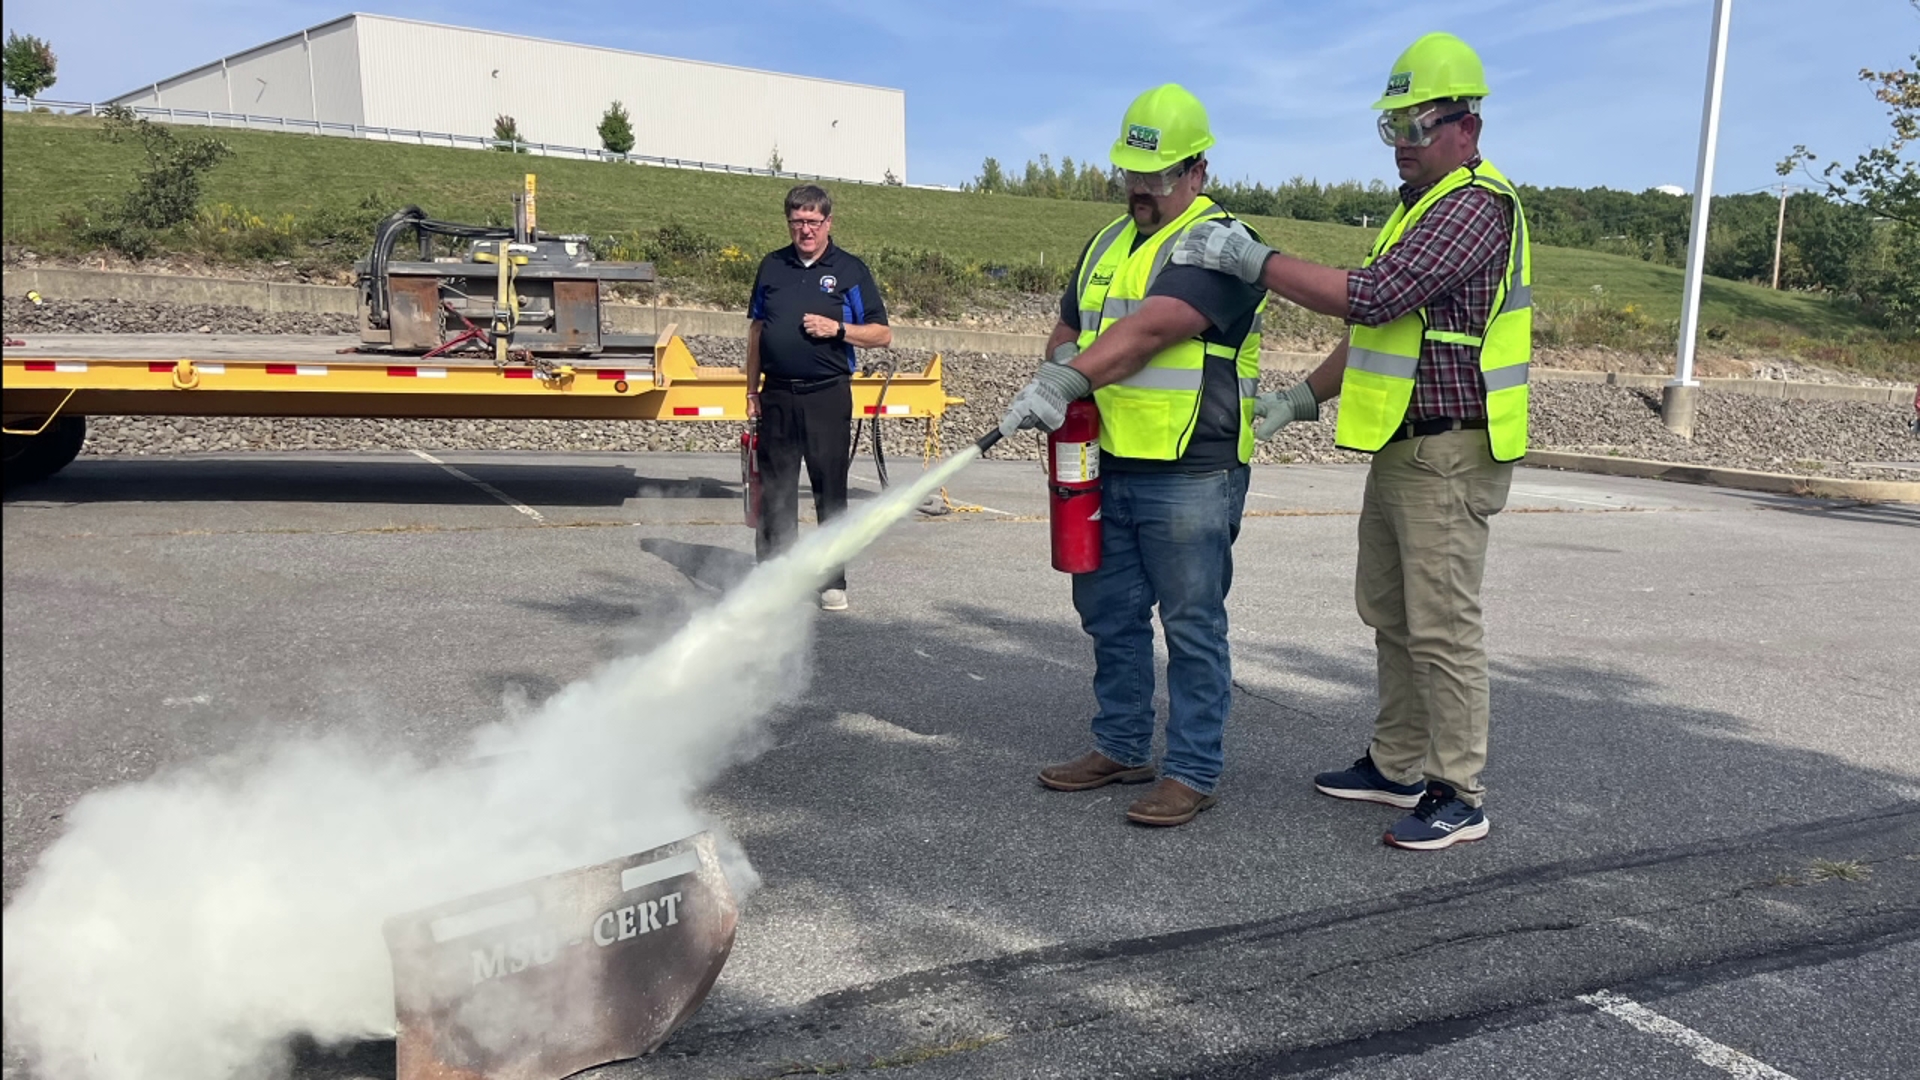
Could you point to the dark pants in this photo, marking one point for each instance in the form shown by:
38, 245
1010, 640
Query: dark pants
805, 421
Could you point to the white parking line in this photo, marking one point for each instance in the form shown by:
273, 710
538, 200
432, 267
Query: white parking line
482, 485
1565, 498
1722, 1057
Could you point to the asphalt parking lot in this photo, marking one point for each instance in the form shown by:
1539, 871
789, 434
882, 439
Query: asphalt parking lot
1704, 788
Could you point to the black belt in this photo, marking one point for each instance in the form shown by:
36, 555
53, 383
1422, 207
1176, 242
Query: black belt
1413, 429
805, 386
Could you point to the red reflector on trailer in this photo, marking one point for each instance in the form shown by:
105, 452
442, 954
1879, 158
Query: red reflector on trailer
39, 365
283, 369
159, 367
519, 373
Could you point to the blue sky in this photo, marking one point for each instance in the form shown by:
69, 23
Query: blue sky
1586, 92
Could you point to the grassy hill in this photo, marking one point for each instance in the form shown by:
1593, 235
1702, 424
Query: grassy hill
55, 166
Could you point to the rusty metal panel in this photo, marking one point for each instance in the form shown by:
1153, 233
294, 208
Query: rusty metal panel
414, 316
576, 315
540, 980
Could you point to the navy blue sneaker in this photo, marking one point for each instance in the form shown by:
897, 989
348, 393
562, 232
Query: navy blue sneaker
1364, 782
1441, 820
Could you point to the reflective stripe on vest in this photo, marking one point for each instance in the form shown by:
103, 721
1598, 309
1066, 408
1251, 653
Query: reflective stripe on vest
1151, 414
1383, 361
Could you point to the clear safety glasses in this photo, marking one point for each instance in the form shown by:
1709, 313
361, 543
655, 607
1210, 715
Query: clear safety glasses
1159, 184
1415, 124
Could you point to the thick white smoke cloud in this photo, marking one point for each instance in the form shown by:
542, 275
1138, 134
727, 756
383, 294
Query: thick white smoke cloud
184, 927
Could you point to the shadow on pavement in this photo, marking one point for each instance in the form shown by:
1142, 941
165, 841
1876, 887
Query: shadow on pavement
906, 848
106, 480
1907, 514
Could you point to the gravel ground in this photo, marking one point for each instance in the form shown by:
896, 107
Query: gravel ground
1731, 430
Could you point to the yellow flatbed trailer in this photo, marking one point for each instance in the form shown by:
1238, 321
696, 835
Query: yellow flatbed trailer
52, 382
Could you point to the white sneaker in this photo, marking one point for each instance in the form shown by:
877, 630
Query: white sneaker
833, 599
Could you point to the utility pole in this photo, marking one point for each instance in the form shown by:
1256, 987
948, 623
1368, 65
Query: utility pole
1779, 230
1676, 398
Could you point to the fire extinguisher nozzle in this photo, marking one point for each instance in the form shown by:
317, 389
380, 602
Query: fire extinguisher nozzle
985, 442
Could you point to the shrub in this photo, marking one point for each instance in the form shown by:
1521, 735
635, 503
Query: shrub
616, 129
506, 135
922, 282
166, 192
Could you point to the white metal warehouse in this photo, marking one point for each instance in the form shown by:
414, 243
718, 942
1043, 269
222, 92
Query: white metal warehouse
375, 71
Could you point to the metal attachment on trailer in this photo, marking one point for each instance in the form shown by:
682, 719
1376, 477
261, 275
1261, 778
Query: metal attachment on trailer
540, 293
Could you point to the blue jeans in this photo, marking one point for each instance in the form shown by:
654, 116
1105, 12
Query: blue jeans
1165, 538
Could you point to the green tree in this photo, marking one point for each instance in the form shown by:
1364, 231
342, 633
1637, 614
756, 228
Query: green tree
506, 135
776, 163
616, 129
29, 65
992, 178
1885, 180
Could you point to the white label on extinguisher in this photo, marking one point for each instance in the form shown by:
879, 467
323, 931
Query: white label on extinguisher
1076, 463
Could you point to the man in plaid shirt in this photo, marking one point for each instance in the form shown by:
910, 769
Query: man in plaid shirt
1441, 303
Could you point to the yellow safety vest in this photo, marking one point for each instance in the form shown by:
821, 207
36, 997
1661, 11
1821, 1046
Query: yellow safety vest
1151, 414
1381, 360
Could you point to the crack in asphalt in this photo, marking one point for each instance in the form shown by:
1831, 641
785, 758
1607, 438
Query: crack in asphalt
1065, 958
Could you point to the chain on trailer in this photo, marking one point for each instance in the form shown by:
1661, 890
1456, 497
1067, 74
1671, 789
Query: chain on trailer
934, 449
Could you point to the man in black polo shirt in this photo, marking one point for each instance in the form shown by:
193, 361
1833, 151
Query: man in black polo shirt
812, 304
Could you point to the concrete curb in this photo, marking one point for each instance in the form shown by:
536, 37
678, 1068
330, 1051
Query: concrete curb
278, 296
1820, 487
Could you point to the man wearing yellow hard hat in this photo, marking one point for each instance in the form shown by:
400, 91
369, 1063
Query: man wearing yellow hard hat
1171, 355
1432, 381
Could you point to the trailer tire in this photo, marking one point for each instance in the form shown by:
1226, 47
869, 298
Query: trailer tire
32, 458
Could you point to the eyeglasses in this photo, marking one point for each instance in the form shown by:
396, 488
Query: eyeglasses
1159, 184
1408, 127
807, 224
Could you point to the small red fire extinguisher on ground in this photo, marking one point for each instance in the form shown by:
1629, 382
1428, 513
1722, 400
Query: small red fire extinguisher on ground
1073, 489
750, 472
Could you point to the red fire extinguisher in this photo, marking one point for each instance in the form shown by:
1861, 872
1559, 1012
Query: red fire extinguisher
1073, 489
750, 472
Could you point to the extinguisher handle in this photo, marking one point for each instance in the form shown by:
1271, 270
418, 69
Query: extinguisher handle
985, 442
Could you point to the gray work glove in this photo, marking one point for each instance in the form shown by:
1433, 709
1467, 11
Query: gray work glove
1228, 248
1273, 411
1065, 353
1043, 402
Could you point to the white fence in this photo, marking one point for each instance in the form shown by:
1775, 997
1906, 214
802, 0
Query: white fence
421, 138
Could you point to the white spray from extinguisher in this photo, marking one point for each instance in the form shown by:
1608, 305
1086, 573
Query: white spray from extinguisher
183, 927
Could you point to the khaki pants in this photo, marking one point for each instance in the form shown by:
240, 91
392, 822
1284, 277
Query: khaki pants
1423, 547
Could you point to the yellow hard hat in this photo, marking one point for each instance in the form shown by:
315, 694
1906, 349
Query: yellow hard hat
1435, 68
1163, 127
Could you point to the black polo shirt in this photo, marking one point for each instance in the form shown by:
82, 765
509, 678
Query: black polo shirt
837, 285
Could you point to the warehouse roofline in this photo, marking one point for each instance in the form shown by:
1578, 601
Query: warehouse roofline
298, 34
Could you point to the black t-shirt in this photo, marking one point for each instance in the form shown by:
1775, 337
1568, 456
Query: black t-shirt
1230, 306
837, 285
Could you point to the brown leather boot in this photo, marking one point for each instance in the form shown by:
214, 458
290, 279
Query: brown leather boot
1092, 770
1169, 803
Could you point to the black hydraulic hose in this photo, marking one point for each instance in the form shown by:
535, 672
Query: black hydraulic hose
873, 424
985, 442
387, 233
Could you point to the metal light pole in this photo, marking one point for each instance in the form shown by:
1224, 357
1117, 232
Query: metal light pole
1779, 231
1676, 399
